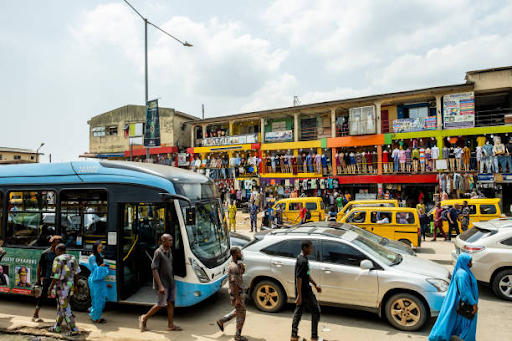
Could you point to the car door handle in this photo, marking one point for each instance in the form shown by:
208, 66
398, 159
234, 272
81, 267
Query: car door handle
277, 263
326, 270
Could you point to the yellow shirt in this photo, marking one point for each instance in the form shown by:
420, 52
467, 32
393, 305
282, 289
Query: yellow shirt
481, 140
232, 211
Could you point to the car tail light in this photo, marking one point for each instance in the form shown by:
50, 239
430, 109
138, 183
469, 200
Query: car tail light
472, 248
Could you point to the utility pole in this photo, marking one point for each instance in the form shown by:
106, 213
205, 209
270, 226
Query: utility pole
146, 22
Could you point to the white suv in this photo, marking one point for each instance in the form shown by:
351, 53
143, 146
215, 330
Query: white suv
490, 245
353, 272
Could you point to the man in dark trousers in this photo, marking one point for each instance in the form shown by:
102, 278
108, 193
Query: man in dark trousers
236, 294
44, 273
304, 293
164, 279
453, 220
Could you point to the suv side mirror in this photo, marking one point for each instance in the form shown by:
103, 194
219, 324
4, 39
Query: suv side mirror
190, 215
366, 264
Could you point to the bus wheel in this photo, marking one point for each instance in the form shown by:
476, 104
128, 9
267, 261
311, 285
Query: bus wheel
268, 296
82, 300
406, 242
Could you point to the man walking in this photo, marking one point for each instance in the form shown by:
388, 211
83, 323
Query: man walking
44, 274
65, 272
465, 212
232, 216
304, 293
453, 216
236, 294
438, 222
164, 279
253, 209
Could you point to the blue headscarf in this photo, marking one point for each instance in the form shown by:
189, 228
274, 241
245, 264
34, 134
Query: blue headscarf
448, 320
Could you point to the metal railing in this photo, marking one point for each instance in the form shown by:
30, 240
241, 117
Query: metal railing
492, 117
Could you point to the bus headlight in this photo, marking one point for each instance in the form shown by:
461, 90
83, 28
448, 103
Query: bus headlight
199, 271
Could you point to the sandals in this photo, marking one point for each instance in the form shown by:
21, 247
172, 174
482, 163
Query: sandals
240, 338
175, 329
72, 333
37, 319
101, 321
54, 329
142, 324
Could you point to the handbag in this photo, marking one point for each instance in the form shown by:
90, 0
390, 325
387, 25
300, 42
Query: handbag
464, 308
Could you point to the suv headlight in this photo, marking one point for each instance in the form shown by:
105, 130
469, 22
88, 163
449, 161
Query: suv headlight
440, 284
199, 271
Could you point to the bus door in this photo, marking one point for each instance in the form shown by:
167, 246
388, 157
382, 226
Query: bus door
142, 226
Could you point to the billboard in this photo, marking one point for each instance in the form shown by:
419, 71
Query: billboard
152, 130
459, 110
284, 135
407, 125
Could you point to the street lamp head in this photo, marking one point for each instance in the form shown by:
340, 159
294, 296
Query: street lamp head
42, 144
187, 44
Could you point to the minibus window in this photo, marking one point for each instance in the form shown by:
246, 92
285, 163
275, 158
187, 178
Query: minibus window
488, 209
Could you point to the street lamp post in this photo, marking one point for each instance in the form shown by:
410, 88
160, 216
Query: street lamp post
37, 152
146, 22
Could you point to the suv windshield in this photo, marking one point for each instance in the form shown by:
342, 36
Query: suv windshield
375, 250
208, 238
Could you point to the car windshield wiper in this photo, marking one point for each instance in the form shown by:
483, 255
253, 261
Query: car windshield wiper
398, 259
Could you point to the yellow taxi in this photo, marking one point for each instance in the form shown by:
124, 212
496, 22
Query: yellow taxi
290, 208
481, 210
365, 203
397, 223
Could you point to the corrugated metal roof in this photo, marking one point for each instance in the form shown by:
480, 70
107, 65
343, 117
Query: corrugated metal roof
17, 150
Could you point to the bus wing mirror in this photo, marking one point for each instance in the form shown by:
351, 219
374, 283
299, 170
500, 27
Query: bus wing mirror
190, 215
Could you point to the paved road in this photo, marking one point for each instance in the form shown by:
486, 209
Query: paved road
198, 321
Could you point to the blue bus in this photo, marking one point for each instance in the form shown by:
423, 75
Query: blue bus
128, 205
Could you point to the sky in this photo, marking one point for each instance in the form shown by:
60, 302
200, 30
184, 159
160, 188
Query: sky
63, 62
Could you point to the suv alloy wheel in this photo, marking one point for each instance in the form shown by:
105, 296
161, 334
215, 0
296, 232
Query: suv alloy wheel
405, 312
502, 284
268, 296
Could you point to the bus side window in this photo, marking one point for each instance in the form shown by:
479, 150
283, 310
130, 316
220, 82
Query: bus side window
28, 222
83, 218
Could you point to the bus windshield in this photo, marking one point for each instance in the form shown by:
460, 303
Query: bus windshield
208, 238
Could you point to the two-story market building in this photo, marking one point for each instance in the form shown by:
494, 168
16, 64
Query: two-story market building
449, 140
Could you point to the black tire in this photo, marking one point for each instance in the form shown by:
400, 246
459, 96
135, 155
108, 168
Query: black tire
406, 242
82, 300
268, 296
502, 285
400, 314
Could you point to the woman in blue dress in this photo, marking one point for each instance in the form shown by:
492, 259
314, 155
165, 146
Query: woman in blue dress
463, 286
97, 285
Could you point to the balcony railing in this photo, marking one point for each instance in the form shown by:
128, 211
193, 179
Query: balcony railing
314, 133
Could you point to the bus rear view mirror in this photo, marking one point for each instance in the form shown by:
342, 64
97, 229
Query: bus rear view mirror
190, 215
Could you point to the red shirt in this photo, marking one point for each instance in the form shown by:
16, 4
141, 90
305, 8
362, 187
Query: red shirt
385, 156
302, 213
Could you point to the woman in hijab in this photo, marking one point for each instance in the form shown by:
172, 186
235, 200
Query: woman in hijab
462, 287
97, 285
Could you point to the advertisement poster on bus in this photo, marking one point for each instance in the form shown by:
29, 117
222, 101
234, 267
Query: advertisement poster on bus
18, 270
459, 110
152, 130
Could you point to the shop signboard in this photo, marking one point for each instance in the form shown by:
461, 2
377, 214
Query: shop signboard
282, 136
407, 125
485, 177
366, 196
228, 140
152, 131
459, 110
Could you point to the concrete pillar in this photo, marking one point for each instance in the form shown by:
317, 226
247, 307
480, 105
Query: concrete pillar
262, 129
333, 162
379, 119
333, 122
296, 127
379, 159
439, 112
193, 136
231, 133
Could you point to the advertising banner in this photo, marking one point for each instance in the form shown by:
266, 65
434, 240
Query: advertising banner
18, 270
182, 160
407, 125
283, 136
227, 140
152, 131
459, 110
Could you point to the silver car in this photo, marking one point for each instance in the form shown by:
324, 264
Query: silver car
490, 246
353, 272
389, 244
